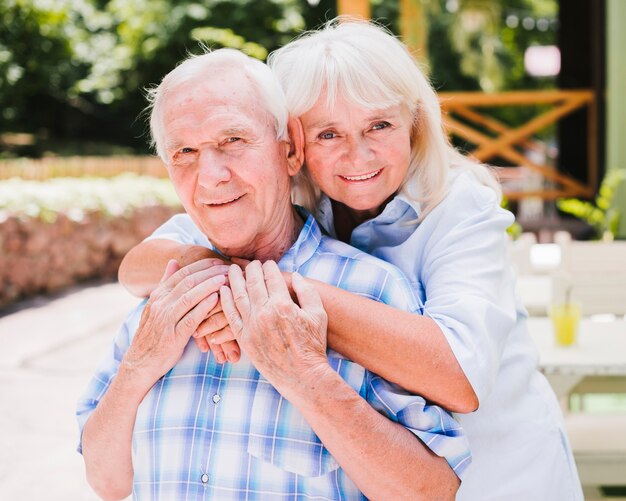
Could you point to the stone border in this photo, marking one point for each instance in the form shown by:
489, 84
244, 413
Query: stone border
40, 257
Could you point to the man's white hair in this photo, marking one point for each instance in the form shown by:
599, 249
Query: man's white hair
367, 65
203, 67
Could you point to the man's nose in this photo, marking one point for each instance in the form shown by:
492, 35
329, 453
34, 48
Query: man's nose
213, 168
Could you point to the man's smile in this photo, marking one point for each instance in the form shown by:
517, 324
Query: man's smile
224, 202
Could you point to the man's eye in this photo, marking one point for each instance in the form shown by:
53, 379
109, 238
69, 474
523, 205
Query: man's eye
380, 125
186, 150
233, 139
327, 135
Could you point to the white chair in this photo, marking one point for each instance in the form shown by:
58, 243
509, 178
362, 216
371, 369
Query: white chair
594, 276
593, 257
599, 445
596, 293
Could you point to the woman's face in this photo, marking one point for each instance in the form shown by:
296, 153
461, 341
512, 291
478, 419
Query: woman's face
357, 156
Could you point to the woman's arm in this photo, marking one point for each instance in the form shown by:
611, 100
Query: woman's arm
383, 458
143, 266
405, 348
402, 347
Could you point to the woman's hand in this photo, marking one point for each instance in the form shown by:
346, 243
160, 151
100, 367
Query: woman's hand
215, 334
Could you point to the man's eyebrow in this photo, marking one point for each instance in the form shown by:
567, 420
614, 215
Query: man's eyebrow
173, 145
236, 130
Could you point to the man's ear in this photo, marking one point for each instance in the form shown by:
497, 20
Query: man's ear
295, 156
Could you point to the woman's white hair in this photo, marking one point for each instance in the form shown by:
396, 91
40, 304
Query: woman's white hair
203, 67
364, 63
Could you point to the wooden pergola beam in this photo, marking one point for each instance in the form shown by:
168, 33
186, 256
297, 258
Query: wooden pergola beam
355, 8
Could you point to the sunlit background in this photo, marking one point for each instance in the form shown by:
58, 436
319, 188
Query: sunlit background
533, 87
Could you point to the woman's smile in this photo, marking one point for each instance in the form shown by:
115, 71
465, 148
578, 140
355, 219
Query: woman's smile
361, 177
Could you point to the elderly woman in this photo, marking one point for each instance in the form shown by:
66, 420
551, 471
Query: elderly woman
381, 175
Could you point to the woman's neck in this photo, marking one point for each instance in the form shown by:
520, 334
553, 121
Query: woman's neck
347, 219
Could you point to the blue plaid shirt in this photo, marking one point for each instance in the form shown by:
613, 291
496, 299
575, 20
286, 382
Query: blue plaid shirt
221, 431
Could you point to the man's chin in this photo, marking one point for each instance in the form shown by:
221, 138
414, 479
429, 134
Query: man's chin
230, 240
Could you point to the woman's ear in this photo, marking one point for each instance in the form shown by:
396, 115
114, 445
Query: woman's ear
295, 156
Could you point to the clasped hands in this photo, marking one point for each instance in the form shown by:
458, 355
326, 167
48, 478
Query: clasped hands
226, 311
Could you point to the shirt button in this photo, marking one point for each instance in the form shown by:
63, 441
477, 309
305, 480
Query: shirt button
204, 478
216, 398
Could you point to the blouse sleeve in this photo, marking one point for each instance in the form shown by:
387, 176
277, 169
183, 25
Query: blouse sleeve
469, 286
180, 228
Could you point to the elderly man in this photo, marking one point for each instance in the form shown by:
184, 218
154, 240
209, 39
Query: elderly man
290, 420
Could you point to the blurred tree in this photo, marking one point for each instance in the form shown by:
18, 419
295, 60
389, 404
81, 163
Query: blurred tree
76, 68
37, 67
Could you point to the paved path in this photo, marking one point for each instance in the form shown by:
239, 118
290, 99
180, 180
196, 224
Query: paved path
50, 348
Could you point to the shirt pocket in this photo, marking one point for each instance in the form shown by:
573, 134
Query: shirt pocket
280, 435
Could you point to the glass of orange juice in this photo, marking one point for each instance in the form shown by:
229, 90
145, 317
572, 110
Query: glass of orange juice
565, 319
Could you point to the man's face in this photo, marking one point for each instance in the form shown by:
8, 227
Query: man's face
225, 162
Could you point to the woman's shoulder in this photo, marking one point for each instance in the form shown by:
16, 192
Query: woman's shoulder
473, 186
469, 199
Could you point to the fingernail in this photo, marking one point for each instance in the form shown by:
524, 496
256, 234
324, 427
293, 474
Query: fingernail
220, 358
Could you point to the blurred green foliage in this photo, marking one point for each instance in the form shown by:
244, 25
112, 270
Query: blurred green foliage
76, 69
77, 196
515, 230
603, 215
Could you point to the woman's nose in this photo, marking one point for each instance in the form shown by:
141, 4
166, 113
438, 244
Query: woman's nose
359, 152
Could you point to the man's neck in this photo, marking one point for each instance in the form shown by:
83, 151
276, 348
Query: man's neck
274, 245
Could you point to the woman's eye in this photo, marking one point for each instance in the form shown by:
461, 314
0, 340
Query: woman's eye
327, 135
232, 140
380, 125
185, 150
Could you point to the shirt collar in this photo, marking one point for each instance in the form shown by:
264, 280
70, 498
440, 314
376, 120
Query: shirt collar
324, 215
305, 246
401, 206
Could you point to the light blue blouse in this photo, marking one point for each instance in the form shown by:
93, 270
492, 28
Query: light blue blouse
457, 262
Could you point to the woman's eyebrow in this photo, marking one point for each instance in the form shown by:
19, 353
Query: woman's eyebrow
322, 124
381, 114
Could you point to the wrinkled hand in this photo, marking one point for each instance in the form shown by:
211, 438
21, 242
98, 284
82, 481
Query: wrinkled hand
215, 334
285, 341
172, 314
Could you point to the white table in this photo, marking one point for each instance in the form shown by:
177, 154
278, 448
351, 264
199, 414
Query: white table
599, 352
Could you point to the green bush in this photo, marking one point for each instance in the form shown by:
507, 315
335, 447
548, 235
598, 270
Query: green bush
76, 196
603, 215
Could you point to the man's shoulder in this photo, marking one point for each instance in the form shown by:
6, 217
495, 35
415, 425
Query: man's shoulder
132, 320
330, 246
351, 269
